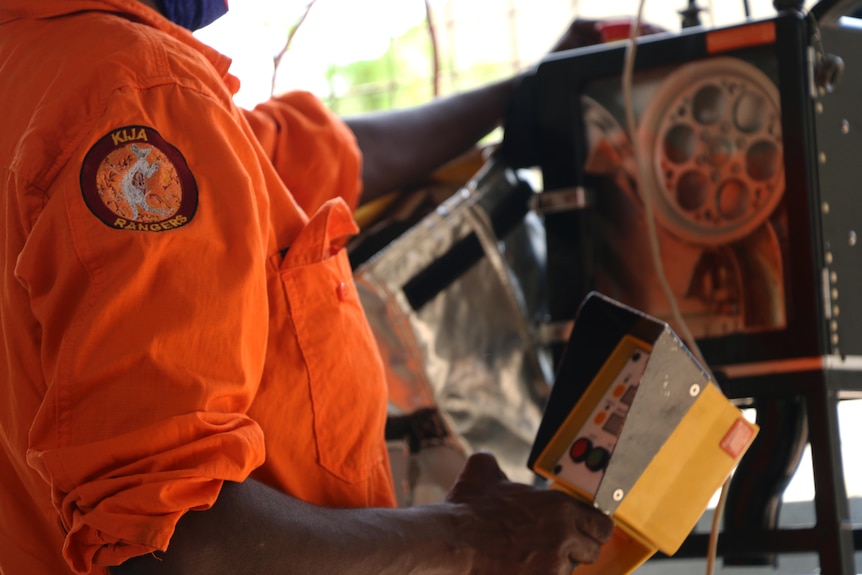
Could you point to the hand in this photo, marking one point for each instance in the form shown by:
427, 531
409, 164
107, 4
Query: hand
518, 529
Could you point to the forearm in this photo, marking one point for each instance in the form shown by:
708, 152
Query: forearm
487, 526
256, 530
401, 147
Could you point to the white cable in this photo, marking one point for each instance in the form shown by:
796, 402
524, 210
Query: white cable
645, 184
712, 549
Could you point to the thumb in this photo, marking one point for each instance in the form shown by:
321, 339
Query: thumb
481, 468
480, 471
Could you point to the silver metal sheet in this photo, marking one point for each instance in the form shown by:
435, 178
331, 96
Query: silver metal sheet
470, 350
671, 383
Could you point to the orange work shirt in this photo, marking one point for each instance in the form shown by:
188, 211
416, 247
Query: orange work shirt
172, 316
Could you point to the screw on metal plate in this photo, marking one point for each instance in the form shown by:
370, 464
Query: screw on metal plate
618, 495
694, 390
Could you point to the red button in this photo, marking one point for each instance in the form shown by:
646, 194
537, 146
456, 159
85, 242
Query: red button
579, 449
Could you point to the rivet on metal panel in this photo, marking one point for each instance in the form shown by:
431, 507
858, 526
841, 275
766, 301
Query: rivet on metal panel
845, 127
834, 293
825, 208
822, 157
852, 239
819, 107
833, 277
835, 311
828, 257
833, 325
834, 339
694, 390
618, 495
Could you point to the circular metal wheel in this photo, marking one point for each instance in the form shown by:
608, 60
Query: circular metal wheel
711, 136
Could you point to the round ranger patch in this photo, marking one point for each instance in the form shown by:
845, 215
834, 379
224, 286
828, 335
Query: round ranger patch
132, 179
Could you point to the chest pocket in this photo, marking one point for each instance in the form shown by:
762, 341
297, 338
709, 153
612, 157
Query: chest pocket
346, 378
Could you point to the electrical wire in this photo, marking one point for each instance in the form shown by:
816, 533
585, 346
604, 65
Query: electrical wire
432, 34
276, 60
712, 549
645, 184
435, 49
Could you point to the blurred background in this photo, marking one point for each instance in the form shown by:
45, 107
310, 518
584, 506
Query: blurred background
368, 55
363, 56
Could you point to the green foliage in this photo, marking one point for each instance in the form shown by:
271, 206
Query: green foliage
402, 76
399, 78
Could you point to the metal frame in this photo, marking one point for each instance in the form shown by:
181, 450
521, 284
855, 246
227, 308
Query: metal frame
834, 538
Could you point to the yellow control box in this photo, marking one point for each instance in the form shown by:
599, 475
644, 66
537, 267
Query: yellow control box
636, 427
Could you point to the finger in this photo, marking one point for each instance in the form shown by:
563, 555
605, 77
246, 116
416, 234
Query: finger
585, 550
483, 467
480, 470
568, 567
595, 525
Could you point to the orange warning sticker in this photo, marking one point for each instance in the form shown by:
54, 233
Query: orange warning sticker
740, 37
737, 438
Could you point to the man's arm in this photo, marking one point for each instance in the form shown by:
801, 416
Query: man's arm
403, 146
488, 525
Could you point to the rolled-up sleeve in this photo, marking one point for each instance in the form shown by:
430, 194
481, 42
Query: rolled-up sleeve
314, 152
154, 321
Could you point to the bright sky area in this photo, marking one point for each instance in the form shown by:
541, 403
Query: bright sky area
341, 31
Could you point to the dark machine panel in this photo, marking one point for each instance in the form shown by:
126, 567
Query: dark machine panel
724, 120
749, 139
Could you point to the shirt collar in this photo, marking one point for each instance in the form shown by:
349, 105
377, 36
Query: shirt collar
12, 10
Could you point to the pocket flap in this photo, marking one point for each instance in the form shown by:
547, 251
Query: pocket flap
326, 233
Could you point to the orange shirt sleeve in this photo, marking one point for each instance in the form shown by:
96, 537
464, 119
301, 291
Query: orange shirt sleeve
314, 152
153, 312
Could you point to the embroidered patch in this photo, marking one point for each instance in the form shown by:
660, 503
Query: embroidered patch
132, 179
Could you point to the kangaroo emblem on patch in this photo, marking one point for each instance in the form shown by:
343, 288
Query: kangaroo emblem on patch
132, 179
